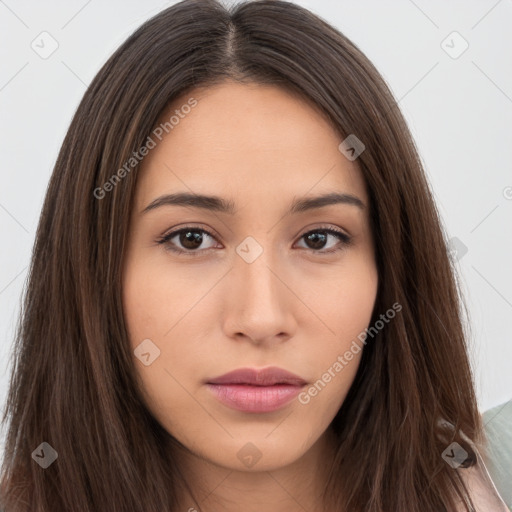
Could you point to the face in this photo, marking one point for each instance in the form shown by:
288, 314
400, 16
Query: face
259, 278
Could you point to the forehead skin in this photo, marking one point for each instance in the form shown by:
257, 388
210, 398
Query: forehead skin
261, 139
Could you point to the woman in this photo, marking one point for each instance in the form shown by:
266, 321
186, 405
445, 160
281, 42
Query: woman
240, 295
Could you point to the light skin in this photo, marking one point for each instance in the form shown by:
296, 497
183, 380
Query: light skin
297, 306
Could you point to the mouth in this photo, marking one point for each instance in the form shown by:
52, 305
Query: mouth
256, 391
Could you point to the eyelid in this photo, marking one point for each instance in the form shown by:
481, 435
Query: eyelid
190, 227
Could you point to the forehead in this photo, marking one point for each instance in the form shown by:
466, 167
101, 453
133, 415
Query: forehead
247, 140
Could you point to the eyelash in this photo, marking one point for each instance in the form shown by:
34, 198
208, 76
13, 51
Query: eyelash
344, 239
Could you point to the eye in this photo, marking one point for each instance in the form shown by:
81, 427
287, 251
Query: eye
189, 240
317, 239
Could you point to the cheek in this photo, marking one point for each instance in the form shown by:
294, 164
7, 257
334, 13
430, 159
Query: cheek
323, 397
345, 307
344, 300
353, 306
141, 295
156, 298
158, 306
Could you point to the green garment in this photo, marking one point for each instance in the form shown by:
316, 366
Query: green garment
498, 430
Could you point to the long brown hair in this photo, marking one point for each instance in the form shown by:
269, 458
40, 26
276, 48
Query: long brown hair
73, 374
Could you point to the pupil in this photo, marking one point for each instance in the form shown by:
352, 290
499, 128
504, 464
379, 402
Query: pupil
318, 241
191, 239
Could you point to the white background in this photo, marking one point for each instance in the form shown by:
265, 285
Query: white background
459, 111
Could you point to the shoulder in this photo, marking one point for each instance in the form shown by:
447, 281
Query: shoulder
481, 489
498, 431
476, 478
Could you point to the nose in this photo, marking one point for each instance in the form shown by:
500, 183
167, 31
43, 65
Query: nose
260, 304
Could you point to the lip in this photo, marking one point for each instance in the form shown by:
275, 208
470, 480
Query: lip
256, 391
264, 377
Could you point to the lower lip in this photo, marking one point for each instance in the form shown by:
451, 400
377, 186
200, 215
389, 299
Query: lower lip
256, 399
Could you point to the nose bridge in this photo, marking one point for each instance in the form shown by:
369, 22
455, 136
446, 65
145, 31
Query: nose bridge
259, 305
254, 269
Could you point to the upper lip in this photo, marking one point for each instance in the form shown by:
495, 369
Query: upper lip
264, 377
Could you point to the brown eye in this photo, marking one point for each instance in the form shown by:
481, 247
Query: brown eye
191, 240
317, 239
186, 240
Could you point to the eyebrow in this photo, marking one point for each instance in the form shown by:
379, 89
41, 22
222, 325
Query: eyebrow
221, 205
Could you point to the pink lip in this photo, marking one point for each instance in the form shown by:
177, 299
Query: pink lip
256, 391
